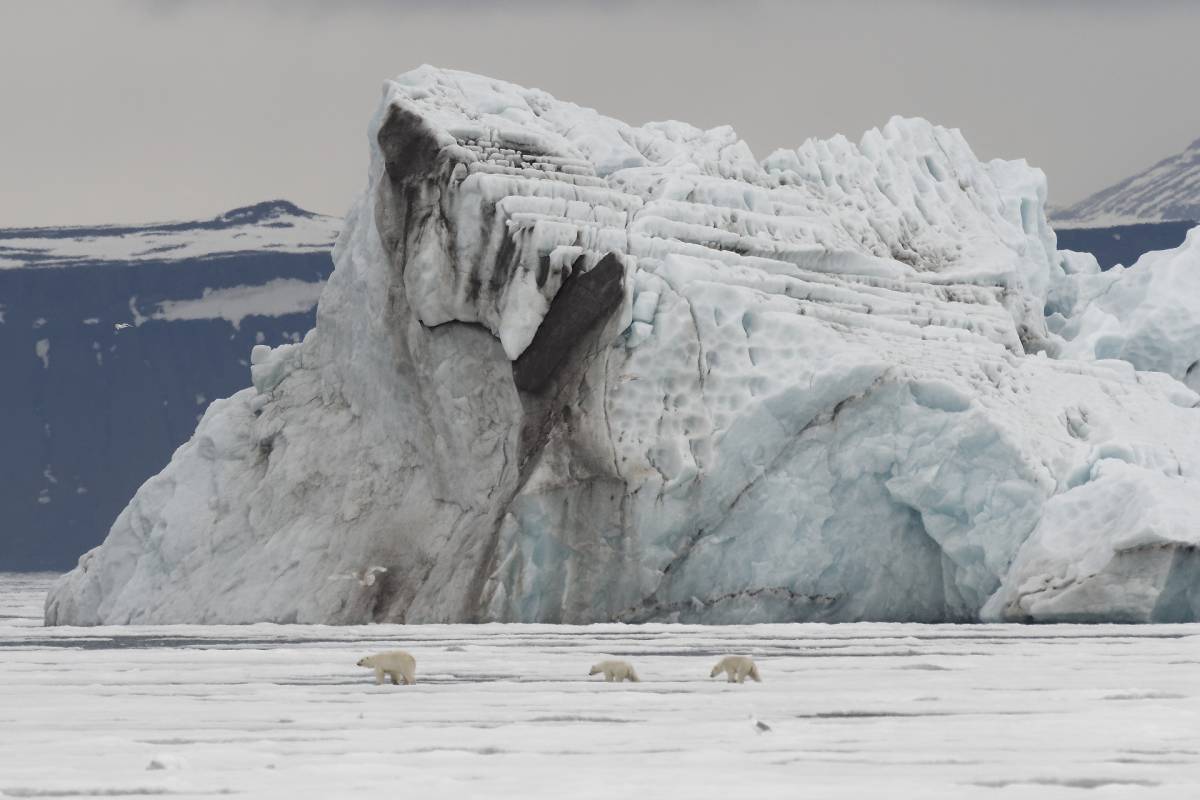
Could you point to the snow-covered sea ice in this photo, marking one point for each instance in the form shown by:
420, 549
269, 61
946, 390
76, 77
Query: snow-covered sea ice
500, 710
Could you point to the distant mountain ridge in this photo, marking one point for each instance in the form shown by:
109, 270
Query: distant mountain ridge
274, 225
88, 411
263, 212
1169, 191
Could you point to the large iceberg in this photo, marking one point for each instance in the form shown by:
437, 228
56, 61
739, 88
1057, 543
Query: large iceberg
570, 370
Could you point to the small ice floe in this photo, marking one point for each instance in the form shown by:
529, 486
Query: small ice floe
365, 577
166, 761
759, 725
120, 326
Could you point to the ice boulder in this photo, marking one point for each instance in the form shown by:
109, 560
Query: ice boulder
570, 370
1123, 547
1147, 314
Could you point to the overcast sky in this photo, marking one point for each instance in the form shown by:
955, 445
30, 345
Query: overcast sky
137, 111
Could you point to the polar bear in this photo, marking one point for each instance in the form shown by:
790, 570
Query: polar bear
394, 663
615, 671
737, 668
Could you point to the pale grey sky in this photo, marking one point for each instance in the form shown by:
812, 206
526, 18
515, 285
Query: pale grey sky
129, 111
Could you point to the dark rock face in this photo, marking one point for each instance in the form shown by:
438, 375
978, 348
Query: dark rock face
580, 303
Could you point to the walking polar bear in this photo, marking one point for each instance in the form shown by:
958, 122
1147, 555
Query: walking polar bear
736, 668
395, 664
615, 671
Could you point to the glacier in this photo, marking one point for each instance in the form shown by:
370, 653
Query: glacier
567, 370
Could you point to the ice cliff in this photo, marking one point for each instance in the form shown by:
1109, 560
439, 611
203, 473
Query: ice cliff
571, 370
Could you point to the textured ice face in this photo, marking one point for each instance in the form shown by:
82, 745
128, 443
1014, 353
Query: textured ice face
1124, 541
1147, 314
567, 370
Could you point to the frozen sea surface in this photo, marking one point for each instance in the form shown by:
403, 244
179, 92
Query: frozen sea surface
854, 711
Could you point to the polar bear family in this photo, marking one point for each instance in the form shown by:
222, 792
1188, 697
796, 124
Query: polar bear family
401, 667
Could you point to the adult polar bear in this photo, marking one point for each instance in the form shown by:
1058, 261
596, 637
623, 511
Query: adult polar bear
393, 663
737, 668
615, 671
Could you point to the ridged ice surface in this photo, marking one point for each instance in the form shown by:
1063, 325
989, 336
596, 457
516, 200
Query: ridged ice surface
863, 710
568, 370
1170, 190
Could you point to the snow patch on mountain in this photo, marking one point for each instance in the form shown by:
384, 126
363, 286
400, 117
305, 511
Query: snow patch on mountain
274, 226
568, 370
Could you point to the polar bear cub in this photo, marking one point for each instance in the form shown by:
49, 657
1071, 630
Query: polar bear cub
737, 668
395, 664
615, 671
